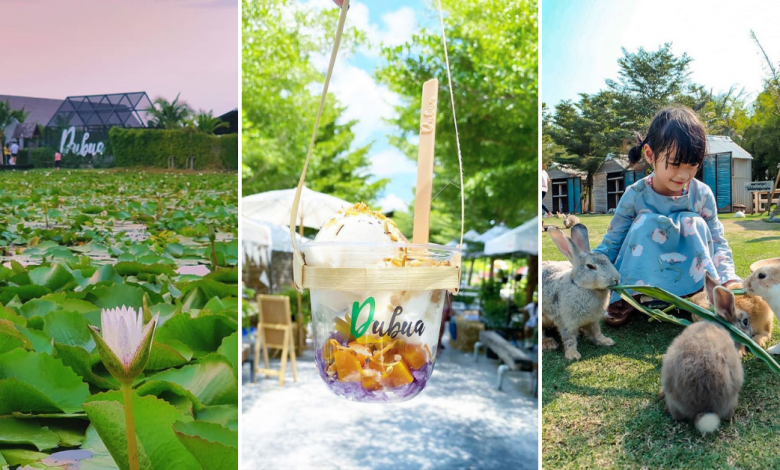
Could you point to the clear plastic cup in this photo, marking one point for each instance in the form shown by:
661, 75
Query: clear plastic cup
376, 346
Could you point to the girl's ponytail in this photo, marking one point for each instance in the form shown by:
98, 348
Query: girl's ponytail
635, 152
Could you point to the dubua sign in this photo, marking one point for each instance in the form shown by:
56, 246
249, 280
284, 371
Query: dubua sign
68, 144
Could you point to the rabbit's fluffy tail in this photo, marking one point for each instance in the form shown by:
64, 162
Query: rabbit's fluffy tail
706, 422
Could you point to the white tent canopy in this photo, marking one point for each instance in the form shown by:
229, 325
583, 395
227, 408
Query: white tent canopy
491, 234
275, 206
260, 239
522, 239
261, 233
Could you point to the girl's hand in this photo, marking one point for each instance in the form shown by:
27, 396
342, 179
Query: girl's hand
340, 3
727, 283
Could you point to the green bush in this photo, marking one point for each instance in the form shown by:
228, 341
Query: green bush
42, 157
305, 304
153, 147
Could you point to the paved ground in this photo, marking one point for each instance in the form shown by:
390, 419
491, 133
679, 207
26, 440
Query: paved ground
458, 422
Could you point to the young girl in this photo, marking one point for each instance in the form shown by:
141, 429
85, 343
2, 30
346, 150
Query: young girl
665, 231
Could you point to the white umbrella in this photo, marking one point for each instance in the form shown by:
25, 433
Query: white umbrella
261, 233
275, 206
492, 233
522, 239
260, 239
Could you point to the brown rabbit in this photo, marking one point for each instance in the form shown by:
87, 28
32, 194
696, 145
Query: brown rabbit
758, 310
702, 370
765, 282
570, 220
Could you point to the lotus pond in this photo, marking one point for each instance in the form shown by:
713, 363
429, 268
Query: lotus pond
75, 242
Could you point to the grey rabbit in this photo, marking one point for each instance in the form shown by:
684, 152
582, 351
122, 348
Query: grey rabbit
702, 370
575, 294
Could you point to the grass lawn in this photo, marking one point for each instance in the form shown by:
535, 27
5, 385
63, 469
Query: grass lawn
604, 410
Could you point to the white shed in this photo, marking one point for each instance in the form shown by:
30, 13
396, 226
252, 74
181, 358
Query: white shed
612, 178
726, 170
727, 167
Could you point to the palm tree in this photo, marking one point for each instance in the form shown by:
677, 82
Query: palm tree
726, 113
205, 122
169, 115
8, 116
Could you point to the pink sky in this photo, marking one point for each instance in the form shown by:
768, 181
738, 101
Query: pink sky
60, 48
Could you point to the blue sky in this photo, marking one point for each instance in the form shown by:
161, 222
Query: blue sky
581, 41
384, 21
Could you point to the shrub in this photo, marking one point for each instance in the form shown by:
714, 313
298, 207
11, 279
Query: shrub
42, 157
153, 147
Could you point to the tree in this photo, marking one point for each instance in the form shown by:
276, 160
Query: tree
8, 116
280, 99
648, 81
205, 122
169, 115
726, 114
604, 123
492, 48
551, 151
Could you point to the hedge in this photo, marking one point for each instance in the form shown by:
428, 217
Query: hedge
153, 147
42, 157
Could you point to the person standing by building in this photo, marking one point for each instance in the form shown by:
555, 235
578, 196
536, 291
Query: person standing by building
14, 152
57, 160
545, 184
6, 154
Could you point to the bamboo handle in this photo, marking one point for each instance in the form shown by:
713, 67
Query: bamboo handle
422, 201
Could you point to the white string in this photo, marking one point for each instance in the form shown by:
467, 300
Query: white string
334, 53
455, 122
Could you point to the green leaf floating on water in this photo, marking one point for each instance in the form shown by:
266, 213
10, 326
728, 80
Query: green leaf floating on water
225, 415
32, 382
117, 296
21, 456
19, 432
80, 361
202, 334
11, 338
39, 340
158, 446
69, 328
683, 304
54, 277
166, 355
215, 447
229, 349
209, 382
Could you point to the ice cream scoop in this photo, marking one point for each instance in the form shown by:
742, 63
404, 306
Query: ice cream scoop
356, 226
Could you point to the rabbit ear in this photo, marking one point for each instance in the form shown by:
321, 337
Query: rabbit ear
724, 303
710, 283
564, 244
579, 235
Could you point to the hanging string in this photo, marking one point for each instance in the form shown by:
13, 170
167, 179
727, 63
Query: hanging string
333, 54
455, 122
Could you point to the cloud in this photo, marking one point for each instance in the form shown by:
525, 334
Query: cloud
366, 101
391, 202
397, 27
391, 162
400, 25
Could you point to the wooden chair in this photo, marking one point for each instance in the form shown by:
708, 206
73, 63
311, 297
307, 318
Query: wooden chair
275, 330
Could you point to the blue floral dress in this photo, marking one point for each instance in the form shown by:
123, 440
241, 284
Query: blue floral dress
667, 241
